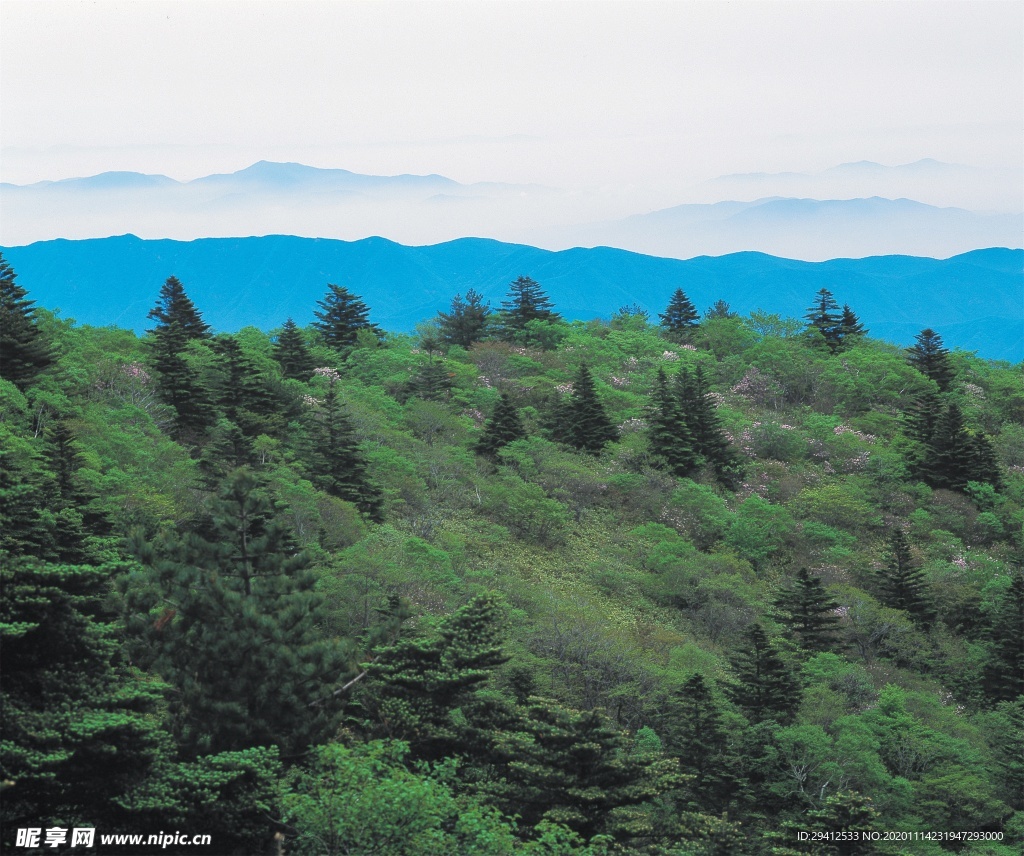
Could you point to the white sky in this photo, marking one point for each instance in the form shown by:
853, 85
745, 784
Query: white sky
618, 95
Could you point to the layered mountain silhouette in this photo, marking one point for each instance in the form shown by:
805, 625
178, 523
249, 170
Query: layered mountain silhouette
974, 300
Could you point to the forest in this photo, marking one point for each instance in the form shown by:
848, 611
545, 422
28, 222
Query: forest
684, 583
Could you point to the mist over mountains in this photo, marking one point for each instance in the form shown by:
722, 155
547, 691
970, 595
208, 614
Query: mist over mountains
974, 300
849, 211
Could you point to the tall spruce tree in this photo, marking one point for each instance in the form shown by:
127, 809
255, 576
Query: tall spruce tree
466, 322
902, 582
502, 428
766, 688
809, 611
680, 316
825, 318
929, 357
291, 353
340, 318
24, 350
587, 426
1004, 672
335, 461
229, 618
526, 302
697, 736
178, 323
701, 418
244, 392
667, 432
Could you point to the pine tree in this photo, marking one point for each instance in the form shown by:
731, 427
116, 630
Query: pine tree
341, 316
930, 358
950, 452
982, 464
902, 582
809, 611
466, 322
291, 353
668, 434
824, 316
766, 687
680, 316
587, 426
178, 383
229, 617
502, 428
705, 428
1004, 674
244, 392
24, 351
850, 328
336, 463
526, 302
698, 738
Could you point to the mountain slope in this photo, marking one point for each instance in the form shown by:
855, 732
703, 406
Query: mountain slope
975, 300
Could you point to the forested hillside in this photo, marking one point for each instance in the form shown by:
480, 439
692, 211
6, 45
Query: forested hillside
686, 584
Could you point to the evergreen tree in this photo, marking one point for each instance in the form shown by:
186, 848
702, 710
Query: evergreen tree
502, 428
930, 358
825, 317
335, 461
291, 353
698, 737
720, 309
766, 688
667, 431
701, 419
81, 531
587, 426
340, 318
244, 392
902, 582
526, 302
1004, 673
982, 464
24, 351
680, 316
950, 451
466, 322
178, 383
808, 611
850, 327
229, 617
432, 381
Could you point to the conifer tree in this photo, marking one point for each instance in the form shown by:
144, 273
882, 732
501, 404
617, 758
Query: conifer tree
668, 432
291, 353
982, 464
720, 309
466, 322
680, 316
701, 418
336, 463
80, 529
587, 426
809, 611
930, 358
850, 327
825, 317
1004, 674
502, 428
340, 318
526, 302
698, 737
178, 383
432, 381
244, 392
24, 351
229, 617
950, 451
766, 688
902, 581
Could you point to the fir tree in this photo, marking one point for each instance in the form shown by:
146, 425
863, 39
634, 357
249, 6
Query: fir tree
340, 318
1004, 673
850, 327
668, 433
176, 311
291, 353
229, 617
24, 351
336, 463
502, 428
698, 737
902, 582
587, 426
526, 302
701, 419
432, 381
824, 317
81, 531
244, 392
930, 358
982, 464
950, 451
808, 611
720, 309
466, 322
766, 688
680, 316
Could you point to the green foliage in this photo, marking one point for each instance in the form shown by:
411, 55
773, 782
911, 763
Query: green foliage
26, 351
341, 318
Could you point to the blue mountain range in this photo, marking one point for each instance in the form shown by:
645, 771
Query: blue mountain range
974, 300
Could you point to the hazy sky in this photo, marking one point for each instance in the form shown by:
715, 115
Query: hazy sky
618, 95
